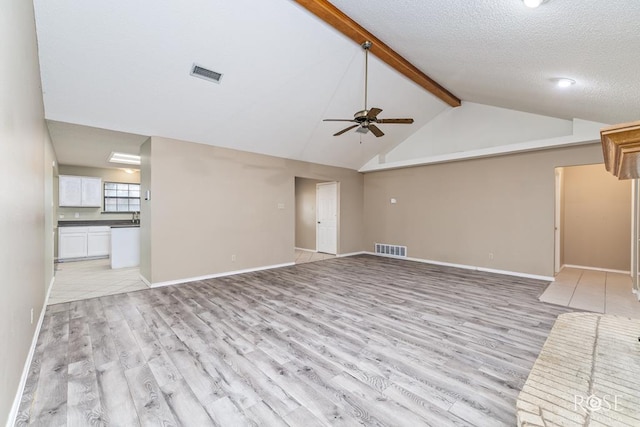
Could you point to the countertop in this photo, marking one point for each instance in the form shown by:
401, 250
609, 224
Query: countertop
118, 223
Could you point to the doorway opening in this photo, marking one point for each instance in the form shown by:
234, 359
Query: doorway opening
592, 228
316, 219
592, 219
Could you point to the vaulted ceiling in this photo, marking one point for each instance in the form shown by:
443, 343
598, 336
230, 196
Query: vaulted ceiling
124, 66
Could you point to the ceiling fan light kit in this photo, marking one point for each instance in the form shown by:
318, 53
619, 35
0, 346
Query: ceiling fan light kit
564, 82
533, 3
366, 119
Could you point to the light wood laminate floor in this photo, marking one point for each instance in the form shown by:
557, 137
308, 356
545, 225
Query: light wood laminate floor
348, 341
78, 280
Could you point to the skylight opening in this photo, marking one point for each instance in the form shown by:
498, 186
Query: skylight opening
125, 158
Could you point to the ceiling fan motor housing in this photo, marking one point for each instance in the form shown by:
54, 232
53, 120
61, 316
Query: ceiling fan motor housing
361, 116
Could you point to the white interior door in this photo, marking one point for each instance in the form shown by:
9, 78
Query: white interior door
327, 217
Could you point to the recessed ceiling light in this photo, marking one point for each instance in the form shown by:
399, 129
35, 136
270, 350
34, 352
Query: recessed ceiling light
564, 82
534, 3
129, 159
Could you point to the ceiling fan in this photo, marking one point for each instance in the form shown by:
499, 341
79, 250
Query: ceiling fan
366, 119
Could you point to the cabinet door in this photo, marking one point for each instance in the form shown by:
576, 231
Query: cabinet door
98, 243
72, 245
70, 191
92, 192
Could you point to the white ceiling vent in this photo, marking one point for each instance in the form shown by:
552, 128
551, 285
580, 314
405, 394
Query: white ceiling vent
204, 73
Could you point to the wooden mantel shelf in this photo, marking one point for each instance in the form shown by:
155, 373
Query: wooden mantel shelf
621, 149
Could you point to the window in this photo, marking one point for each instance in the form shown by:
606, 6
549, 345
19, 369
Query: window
121, 197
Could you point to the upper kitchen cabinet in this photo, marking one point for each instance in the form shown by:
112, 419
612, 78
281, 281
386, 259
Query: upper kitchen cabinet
80, 191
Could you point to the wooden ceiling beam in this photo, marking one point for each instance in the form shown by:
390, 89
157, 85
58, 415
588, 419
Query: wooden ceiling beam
621, 149
350, 28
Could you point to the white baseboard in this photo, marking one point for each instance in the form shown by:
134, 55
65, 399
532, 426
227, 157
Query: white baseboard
470, 267
144, 279
606, 270
11, 420
86, 258
305, 250
518, 274
46, 298
213, 276
351, 254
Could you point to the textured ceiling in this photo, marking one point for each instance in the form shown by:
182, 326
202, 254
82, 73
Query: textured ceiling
501, 53
124, 66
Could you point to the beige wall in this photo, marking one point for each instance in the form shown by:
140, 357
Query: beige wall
306, 213
597, 218
24, 147
210, 203
461, 212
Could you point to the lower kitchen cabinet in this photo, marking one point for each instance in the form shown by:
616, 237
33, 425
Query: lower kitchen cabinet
98, 241
83, 242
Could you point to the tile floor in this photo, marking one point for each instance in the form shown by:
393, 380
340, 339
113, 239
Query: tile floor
590, 290
77, 280
308, 256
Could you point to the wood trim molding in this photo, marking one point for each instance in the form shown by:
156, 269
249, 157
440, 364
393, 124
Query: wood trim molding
621, 149
350, 28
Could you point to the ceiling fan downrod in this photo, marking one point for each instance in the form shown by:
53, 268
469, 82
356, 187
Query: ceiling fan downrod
366, 46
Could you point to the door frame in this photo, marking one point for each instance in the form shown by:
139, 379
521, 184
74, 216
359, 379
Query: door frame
557, 233
635, 230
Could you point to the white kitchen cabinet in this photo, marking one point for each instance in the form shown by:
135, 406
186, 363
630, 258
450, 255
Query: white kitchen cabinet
79, 191
98, 241
72, 242
70, 191
83, 242
91, 192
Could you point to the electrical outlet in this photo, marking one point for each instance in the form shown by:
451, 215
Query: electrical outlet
233, 258
32, 316
76, 215
490, 255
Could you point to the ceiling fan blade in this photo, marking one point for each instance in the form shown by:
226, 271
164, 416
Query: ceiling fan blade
398, 121
375, 130
339, 120
345, 130
373, 113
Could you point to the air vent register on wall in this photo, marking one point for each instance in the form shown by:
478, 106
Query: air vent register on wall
391, 250
205, 73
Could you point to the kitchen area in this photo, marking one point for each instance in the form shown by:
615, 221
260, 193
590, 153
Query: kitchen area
97, 235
